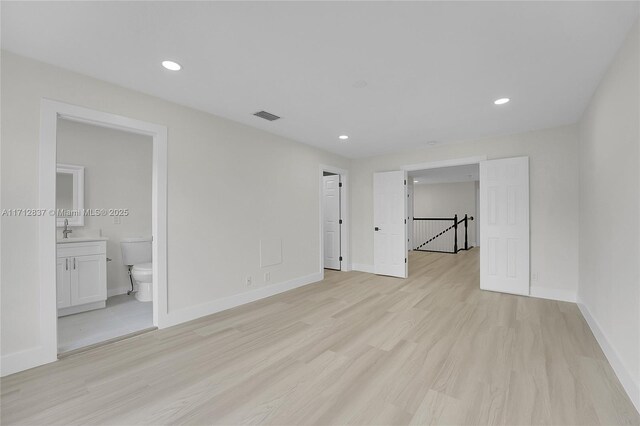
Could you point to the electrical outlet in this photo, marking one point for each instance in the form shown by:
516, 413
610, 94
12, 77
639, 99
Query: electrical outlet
117, 220
267, 277
248, 281
534, 276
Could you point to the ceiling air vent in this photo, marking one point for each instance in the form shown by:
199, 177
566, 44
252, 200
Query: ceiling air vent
266, 115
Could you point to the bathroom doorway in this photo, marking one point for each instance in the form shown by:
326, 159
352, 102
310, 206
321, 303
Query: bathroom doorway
114, 196
103, 215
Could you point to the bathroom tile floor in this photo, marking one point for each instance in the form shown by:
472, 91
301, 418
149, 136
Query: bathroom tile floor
123, 315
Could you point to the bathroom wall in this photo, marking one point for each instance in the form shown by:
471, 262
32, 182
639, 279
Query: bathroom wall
117, 175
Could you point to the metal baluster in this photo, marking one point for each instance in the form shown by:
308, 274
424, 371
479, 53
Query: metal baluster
455, 232
466, 236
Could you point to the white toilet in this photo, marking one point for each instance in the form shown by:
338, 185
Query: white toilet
136, 254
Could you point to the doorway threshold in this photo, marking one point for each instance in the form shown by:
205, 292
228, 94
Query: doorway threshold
104, 343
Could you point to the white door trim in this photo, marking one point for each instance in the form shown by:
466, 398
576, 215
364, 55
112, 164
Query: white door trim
444, 163
345, 231
50, 111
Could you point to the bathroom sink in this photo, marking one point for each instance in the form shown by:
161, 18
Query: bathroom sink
80, 239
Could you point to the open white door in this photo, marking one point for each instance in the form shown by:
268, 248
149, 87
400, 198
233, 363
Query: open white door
390, 232
410, 204
331, 221
504, 224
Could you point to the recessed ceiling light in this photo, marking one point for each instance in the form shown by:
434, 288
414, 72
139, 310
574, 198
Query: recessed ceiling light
432, 143
170, 65
343, 137
501, 101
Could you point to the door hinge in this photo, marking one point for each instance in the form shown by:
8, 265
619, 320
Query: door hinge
405, 260
340, 222
340, 258
405, 221
339, 184
405, 181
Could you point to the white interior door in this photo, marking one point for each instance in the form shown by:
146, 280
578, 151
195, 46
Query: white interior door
504, 221
389, 215
410, 215
331, 221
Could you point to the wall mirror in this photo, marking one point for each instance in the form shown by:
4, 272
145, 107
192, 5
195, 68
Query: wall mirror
70, 194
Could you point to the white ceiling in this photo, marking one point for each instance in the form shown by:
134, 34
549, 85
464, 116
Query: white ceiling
432, 69
452, 174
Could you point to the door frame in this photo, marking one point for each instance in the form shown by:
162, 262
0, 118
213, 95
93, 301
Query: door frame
445, 163
333, 178
345, 231
448, 163
50, 112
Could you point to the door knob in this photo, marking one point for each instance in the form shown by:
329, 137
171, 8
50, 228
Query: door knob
376, 229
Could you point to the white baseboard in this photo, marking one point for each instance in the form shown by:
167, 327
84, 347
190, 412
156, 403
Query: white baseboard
624, 375
23, 360
188, 314
118, 290
552, 294
362, 267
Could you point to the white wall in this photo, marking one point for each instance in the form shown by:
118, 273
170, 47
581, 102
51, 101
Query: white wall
117, 175
553, 195
446, 200
609, 290
220, 174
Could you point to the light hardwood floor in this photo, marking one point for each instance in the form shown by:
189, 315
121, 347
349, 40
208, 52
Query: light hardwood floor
352, 349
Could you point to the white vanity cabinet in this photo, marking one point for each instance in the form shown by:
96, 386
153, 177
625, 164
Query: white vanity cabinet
81, 276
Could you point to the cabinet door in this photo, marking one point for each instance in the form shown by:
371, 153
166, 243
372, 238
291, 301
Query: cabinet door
88, 279
63, 282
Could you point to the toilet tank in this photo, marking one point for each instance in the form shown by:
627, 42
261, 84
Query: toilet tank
136, 250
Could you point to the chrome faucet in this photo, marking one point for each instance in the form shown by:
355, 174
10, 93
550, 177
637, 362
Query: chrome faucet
66, 231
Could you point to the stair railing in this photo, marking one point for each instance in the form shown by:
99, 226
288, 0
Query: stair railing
433, 233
